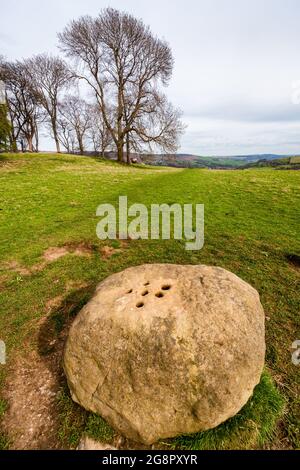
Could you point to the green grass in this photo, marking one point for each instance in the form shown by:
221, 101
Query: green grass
252, 427
76, 422
98, 429
4, 441
72, 420
251, 228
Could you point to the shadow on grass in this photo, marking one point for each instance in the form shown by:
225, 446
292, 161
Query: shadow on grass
54, 330
293, 259
5, 159
73, 420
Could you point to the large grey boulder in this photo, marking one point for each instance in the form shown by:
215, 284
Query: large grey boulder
162, 349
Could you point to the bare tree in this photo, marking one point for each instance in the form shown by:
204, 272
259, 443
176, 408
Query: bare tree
24, 111
77, 113
49, 76
98, 134
66, 134
124, 63
159, 126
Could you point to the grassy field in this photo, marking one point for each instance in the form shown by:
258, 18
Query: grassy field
294, 160
51, 260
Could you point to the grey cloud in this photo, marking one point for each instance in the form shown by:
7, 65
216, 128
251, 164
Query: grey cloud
248, 112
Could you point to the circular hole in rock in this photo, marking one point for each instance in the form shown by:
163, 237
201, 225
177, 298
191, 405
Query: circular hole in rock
159, 294
140, 304
145, 292
166, 287
129, 291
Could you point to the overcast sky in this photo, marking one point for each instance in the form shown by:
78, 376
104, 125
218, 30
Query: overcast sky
236, 62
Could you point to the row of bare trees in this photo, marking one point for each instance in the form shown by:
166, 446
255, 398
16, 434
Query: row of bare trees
120, 65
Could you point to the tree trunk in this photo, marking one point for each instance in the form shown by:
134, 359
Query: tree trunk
36, 137
30, 143
57, 144
13, 144
55, 135
128, 149
12, 140
120, 152
37, 142
80, 143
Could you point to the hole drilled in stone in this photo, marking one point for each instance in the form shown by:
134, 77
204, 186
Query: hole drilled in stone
166, 287
145, 292
129, 291
159, 294
140, 304
147, 283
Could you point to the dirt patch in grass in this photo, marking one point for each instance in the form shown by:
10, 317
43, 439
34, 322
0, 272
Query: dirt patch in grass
116, 246
50, 255
78, 249
17, 267
108, 251
35, 380
53, 253
51, 304
31, 388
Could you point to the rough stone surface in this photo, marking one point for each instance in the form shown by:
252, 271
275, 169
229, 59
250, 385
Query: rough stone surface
162, 350
86, 443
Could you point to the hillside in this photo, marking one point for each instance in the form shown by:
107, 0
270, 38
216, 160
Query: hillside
51, 261
286, 163
181, 160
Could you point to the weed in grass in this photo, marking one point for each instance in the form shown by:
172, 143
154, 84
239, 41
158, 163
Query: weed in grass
98, 429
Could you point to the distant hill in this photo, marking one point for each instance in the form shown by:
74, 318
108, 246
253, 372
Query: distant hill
185, 160
197, 161
285, 163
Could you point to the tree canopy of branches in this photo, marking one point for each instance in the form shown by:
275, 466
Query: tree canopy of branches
23, 108
98, 134
124, 66
76, 113
49, 76
124, 63
66, 134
